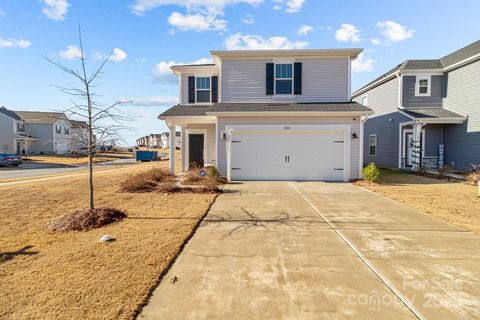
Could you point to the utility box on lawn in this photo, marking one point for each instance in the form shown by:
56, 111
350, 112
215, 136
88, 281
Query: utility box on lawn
142, 155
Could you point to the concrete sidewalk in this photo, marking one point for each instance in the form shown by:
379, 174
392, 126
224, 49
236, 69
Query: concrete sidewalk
313, 250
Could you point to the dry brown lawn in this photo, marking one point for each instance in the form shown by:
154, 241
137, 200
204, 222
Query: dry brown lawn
74, 276
69, 160
455, 202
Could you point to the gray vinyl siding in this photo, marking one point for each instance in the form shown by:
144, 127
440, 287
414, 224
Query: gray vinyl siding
354, 146
323, 80
409, 100
462, 142
44, 134
383, 100
6, 134
433, 137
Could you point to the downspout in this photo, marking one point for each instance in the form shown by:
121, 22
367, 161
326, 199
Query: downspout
400, 87
363, 119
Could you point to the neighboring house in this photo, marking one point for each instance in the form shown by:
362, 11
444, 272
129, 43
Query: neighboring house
165, 141
13, 136
427, 112
155, 140
270, 115
36, 132
78, 136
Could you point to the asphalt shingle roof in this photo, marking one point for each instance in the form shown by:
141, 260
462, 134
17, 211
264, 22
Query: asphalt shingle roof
10, 113
78, 124
426, 64
196, 110
41, 117
422, 113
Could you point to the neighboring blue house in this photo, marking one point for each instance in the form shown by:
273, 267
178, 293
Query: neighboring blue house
427, 112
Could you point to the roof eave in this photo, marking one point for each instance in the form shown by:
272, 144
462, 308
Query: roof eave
288, 113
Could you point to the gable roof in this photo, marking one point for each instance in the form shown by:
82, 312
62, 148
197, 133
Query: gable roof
427, 64
41, 117
202, 110
9, 113
78, 124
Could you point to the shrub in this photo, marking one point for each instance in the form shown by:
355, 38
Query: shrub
371, 172
473, 177
157, 174
138, 182
211, 184
443, 171
212, 172
85, 219
192, 175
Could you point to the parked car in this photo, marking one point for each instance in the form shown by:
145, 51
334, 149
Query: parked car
8, 159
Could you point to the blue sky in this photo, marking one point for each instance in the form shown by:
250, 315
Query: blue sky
150, 35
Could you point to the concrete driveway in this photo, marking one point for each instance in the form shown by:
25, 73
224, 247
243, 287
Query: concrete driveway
313, 250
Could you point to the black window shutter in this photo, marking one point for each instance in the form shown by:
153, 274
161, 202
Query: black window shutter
297, 81
269, 88
191, 89
214, 89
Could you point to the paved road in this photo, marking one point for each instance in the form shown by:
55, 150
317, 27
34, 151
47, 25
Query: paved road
312, 250
32, 170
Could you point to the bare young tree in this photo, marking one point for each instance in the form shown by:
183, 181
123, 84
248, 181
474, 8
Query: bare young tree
103, 122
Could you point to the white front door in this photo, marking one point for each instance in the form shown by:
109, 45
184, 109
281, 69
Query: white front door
288, 155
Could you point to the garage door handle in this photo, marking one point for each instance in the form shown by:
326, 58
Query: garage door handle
338, 169
236, 168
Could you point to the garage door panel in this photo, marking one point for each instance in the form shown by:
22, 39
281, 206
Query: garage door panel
262, 155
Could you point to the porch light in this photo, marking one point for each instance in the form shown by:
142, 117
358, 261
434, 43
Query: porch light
354, 135
224, 135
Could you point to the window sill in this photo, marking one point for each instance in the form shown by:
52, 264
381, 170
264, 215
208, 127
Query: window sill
283, 96
422, 95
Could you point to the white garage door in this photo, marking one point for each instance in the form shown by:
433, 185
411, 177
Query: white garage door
287, 155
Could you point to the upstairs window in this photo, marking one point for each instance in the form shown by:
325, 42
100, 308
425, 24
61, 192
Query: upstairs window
20, 127
203, 89
423, 86
283, 78
67, 130
364, 101
58, 129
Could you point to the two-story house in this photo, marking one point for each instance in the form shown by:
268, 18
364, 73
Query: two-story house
34, 132
270, 115
165, 140
427, 112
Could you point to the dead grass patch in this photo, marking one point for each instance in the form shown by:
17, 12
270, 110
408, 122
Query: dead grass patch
454, 202
85, 219
71, 275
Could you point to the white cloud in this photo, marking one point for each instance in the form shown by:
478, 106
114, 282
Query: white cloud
294, 5
197, 22
304, 29
14, 43
348, 32
249, 19
55, 9
137, 113
362, 64
162, 71
70, 53
159, 101
375, 41
240, 41
291, 5
394, 31
117, 55
140, 7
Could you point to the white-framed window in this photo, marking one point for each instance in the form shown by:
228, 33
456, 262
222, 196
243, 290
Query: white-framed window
372, 144
422, 85
364, 100
284, 78
58, 129
202, 89
20, 127
66, 130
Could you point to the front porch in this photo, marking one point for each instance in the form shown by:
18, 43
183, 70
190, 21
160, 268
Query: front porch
421, 140
198, 142
22, 142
